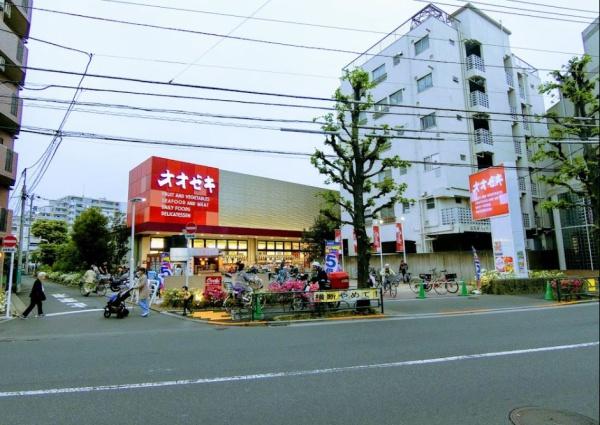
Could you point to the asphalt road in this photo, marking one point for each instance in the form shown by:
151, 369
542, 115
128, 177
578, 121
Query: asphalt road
79, 368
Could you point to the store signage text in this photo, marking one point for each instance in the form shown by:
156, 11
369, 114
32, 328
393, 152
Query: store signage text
489, 197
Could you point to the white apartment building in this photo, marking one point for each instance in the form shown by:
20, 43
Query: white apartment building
15, 21
453, 84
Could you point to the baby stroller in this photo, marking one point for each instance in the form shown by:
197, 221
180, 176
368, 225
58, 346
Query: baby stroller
116, 304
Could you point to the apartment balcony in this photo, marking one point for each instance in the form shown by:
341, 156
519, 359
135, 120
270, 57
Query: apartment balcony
475, 66
514, 115
535, 190
522, 185
484, 136
522, 92
518, 148
525, 121
460, 220
8, 166
10, 108
479, 100
5, 221
526, 221
17, 16
510, 80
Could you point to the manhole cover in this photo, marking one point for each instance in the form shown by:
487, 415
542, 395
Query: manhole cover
541, 416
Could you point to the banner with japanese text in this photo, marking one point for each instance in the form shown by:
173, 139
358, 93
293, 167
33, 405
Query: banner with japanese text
399, 237
489, 197
376, 239
332, 254
175, 192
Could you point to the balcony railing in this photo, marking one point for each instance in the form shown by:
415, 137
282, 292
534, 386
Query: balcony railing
525, 122
526, 221
475, 62
535, 190
459, 216
514, 114
509, 79
479, 98
518, 149
483, 136
522, 184
522, 92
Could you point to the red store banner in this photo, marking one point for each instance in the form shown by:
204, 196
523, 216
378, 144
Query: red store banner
489, 197
399, 237
376, 239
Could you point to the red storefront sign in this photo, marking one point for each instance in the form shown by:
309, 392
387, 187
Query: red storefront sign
376, 239
175, 192
399, 237
489, 197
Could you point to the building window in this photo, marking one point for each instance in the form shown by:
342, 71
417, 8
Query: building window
422, 45
8, 165
380, 108
14, 105
431, 162
388, 215
396, 98
430, 203
386, 174
405, 207
424, 83
397, 58
428, 121
455, 79
379, 74
463, 157
451, 41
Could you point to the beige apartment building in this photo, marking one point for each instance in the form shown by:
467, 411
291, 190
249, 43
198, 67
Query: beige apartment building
15, 21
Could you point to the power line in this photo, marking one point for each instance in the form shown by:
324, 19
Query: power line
511, 13
240, 117
554, 7
273, 94
95, 136
255, 40
530, 10
308, 24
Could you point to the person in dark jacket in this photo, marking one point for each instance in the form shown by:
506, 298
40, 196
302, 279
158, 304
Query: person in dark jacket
36, 295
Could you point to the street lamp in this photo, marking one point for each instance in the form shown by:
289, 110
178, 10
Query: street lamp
132, 259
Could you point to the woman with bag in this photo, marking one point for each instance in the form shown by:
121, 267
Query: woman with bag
37, 295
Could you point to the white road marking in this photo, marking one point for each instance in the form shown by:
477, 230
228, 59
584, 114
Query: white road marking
272, 375
63, 313
59, 295
68, 300
71, 302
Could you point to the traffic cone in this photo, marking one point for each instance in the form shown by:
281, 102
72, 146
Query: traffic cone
421, 291
549, 295
463, 289
257, 313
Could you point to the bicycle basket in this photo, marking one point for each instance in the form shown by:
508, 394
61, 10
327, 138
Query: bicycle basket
450, 276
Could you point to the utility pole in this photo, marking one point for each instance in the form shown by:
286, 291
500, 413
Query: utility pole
21, 223
28, 257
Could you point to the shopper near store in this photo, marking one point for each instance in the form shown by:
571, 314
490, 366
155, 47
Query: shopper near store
403, 270
37, 296
144, 291
187, 300
319, 276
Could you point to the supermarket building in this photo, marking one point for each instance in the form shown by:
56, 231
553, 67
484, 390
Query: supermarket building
238, 217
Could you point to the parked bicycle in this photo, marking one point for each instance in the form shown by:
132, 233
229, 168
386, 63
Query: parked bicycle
390, 285
441, 282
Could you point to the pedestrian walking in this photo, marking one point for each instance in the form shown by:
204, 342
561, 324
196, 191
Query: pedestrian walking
143, 292
37, 296
403, 270
187, 300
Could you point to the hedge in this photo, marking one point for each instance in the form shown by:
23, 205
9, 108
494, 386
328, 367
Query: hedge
515, 286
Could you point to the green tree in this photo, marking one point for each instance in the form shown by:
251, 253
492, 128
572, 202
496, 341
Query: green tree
91, 237
118, 244
358, 162
67, 258
52, 234
578, 169
322, 230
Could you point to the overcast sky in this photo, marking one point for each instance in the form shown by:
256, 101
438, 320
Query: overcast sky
100, 169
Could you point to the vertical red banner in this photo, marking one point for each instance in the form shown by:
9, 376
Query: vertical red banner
399, 237
376, 239
354, 243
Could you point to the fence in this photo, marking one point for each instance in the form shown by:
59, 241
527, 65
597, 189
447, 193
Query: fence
269, 305
567, 289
